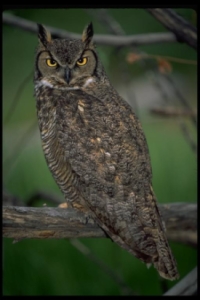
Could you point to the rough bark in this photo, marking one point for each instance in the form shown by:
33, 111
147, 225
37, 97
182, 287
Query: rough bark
50, 222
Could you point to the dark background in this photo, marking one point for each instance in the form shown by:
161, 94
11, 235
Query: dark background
55, 267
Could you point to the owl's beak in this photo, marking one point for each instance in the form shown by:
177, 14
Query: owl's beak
67, 75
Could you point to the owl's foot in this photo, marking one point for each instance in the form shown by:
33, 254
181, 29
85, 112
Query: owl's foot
64, 205
77, 206
84, 210
80, 207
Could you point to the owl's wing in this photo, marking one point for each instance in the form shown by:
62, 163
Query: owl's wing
106, 148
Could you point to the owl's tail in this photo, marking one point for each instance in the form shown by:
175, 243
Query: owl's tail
164, 261
158, 251
144, 237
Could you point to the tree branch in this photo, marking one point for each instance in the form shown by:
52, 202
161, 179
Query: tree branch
108, 40
184, 31
46, 222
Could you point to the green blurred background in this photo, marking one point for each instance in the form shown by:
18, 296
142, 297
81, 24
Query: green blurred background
55, 267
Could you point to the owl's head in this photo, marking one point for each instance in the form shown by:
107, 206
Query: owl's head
66, 62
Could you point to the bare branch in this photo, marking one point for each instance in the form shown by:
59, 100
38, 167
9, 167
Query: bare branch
187, 286
184, 31
40, 223
101, 39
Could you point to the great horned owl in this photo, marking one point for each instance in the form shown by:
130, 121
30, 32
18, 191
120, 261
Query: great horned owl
96, 149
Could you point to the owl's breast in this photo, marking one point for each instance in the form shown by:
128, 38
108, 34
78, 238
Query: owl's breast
99, 143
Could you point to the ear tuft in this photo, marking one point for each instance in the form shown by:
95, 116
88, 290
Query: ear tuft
44, 35
87, 34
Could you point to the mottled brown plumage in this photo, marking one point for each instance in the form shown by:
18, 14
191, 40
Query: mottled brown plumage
96, 149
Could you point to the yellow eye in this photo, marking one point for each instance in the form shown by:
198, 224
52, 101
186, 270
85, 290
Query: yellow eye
51, 62
82, 61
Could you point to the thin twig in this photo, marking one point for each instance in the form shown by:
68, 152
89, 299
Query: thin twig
184, 31
16, 99
181, 98
103, 17
175, 59
125, 290
19, 147
187, 286
109, 40
188, 137
183, 101
172, 112
132, 57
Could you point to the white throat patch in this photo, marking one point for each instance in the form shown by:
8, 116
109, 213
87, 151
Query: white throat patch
46, 83
88, 81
